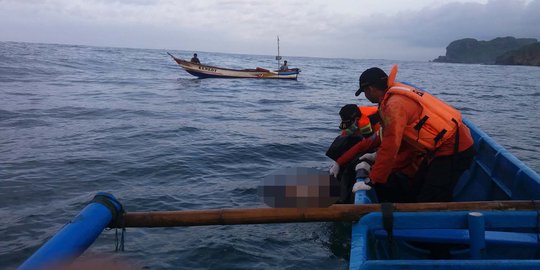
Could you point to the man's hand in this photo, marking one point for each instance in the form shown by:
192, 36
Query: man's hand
362, 185
334, 170
365, 166
362, 169
369, 158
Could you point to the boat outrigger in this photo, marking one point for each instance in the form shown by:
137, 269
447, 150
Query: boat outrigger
205, 71
493, 225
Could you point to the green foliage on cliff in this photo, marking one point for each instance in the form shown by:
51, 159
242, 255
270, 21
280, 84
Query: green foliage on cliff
472, 51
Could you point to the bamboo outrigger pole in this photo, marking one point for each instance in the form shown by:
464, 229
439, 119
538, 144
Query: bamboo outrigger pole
341, 212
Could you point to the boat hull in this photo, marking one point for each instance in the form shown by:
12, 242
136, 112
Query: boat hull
499, 240
205, 71
508, 240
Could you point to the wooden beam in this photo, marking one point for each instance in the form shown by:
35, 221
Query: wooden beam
337, 212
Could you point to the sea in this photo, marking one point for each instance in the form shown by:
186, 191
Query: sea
78, 120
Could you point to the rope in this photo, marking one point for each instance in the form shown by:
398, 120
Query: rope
117, 220
119, 243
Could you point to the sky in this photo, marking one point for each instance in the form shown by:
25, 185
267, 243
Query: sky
359, 29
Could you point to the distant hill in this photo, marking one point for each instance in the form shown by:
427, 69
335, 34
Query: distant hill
502, 50
526, 55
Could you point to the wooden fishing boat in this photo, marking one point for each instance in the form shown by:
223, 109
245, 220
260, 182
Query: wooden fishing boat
494, 224
205, 71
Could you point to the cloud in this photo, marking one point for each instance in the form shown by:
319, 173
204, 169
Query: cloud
437, 27
420, 30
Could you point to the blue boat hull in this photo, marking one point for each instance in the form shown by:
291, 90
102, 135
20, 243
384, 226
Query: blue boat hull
494, 240
509, 241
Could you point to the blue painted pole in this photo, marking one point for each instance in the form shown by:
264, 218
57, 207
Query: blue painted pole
76, 236
361, 196
477, 235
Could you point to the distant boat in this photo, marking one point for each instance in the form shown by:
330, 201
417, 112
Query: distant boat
206, 71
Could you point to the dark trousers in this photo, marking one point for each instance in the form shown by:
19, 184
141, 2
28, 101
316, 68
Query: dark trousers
347, 178
436, 180
397, 189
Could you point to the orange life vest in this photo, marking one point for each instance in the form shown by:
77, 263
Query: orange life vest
369, 120
437, 123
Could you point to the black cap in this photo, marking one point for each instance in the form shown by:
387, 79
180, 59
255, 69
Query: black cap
370, 76
348, 113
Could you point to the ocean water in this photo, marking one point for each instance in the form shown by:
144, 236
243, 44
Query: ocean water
76, 120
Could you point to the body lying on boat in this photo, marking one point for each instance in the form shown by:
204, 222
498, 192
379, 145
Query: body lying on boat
206, 71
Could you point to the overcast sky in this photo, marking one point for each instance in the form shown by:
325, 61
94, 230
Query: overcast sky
365, 29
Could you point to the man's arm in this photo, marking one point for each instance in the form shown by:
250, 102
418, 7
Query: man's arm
394, 122
362, 146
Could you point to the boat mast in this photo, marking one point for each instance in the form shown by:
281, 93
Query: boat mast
278, 58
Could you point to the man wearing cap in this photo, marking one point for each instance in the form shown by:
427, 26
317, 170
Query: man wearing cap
416, 119
359, 125
363, 119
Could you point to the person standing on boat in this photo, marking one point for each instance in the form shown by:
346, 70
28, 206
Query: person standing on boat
194, 59
284, 67
419, 120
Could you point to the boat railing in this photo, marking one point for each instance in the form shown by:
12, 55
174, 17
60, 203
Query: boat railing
495, 174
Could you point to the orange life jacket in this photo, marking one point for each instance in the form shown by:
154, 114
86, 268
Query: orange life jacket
437, 123
369, 120
368, 124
